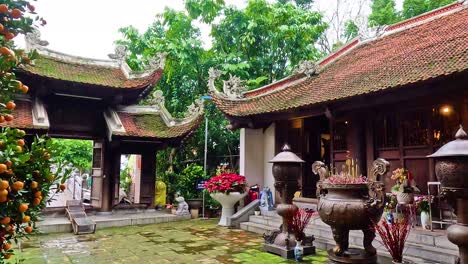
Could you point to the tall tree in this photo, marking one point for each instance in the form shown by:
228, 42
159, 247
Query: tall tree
383, 13
260, 43
412, 8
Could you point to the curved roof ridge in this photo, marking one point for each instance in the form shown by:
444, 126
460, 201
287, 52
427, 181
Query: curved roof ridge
370, 36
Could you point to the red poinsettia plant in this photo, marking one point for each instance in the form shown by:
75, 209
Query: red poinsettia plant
226, 183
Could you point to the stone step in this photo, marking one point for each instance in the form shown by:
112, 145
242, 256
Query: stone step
421, 244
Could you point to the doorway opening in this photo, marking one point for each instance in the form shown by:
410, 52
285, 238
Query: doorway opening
130, 179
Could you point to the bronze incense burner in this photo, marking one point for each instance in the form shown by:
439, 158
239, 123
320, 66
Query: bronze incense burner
451, 168
352, 206
286, 171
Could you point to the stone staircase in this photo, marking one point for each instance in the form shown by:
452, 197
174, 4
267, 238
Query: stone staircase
432, 247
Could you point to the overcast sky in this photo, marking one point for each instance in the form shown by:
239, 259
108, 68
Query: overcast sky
89, 27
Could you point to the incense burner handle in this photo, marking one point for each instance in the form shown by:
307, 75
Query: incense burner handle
380, 168
321, 169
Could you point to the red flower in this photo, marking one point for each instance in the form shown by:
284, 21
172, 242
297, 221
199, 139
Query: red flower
226, 183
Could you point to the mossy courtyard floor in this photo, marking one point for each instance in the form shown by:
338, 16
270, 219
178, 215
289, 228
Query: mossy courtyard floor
191, 241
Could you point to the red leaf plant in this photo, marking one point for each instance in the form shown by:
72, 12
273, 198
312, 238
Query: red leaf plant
226, 183
298, 221
394, 235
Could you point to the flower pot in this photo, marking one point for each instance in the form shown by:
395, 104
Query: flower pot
257, 213
405, 198
425, 220
227, 201
195, 203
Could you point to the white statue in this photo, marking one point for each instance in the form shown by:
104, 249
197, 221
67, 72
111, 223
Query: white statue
266, 199
182, 208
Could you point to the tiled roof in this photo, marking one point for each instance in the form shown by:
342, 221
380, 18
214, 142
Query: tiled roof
153, 126
101, 75
424, 51
22, 114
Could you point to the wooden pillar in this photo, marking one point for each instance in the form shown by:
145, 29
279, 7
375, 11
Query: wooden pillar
356, 139
111, 176
148, 177
370, 148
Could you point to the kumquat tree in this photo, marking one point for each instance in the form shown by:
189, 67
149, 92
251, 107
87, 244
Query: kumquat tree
26, 174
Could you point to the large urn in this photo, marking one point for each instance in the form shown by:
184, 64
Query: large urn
348, 207
287, 168
227, 201
451, 168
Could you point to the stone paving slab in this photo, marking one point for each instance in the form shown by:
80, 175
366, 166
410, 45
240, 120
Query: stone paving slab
191, 241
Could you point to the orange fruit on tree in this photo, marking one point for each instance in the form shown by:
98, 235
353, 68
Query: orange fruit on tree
36, 201
28, 229
9, 36
17, 84
7, 246
23, 208
3, 193
24, 89
38, 194
9, 228
2, 119
3, 8
9, 163
2, 28
10, 105
19, 149
5, 220
26, 219
18, 185
63, 187
7, 52
7, 256
9, 118
34, 185
4, 185
3, 168
16, 13
3, 199
20, 142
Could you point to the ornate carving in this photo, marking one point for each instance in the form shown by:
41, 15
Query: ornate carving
119, 54
158, 99
213, 74
321, 169
306, 67
158, 61
195, 108
34, 38
380, 167
234, 87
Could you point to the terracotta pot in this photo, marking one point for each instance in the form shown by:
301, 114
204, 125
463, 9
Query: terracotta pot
405, 198
227, 201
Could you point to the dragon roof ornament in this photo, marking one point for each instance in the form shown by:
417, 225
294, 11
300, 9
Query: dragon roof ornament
34, 41
307, 68
233, 88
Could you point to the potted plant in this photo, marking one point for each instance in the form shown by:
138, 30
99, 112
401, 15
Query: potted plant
404, 187
394, 235
423, 203
187, 186
297, 222
227, 189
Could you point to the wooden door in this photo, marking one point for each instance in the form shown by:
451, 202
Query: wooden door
97, 175
148, 177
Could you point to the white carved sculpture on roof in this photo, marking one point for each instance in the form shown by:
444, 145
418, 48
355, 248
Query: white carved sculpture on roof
306, 67
158, 99
234, 87
119, 54
158, 61
194, 109
213, 74
33, 38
